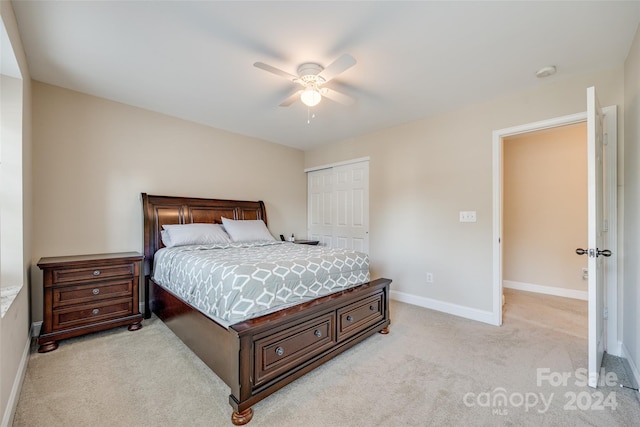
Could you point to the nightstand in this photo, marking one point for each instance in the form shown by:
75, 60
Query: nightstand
306, 242
88, 293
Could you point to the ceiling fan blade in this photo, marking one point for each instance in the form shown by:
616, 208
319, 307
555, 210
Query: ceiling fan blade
291, 99
340, 65
275, 71
336, 96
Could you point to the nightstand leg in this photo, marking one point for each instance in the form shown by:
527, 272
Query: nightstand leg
47, 347
241, 418
135, 326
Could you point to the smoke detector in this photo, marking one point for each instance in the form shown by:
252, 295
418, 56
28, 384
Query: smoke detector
546, 71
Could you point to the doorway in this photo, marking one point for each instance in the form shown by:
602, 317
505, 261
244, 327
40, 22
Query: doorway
545, 211
499, 136
544, 217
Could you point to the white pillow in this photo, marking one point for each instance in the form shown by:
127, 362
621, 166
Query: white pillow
246, 230
193, 234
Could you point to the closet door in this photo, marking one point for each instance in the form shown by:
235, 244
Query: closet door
339, 206
320, 206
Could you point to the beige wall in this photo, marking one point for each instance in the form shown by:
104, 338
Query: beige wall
631, 285
545, 207
15, 325
93, 157
423, 173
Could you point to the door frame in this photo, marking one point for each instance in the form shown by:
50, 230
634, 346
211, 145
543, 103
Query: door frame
613, 346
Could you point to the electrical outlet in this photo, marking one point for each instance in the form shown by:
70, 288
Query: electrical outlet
467, 216
429, 277
585, 274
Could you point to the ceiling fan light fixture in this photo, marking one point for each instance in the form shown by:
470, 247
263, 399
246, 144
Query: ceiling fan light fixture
311, 97
312, 77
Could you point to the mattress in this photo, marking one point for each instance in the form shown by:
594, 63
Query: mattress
233, 282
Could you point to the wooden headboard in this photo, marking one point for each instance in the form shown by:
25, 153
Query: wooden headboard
160, 210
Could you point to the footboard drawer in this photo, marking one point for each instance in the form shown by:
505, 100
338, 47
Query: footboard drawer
356, 316
280, 352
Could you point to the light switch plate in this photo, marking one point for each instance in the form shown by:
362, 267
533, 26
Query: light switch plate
467, 216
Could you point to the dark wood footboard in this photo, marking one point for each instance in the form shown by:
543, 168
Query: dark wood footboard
257, 357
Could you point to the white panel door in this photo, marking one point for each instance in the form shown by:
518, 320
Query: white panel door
351, 189
596, 238
320, 206
339, 206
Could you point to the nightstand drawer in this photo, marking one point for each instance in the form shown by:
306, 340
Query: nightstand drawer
97, 272
91, 313
82, 294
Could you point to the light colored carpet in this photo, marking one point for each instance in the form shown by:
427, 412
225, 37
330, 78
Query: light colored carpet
433, 369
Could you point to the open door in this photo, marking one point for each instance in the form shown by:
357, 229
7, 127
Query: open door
596, 239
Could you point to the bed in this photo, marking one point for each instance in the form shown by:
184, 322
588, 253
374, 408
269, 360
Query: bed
258, 356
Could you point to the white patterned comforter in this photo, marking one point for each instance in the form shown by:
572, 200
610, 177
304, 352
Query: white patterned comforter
233, 282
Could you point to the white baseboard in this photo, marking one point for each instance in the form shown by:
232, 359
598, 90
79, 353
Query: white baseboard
12, 403
445, 307
632, 364
548, 290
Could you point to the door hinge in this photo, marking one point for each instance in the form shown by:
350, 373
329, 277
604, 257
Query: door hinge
605, 313
605, 225
605, 138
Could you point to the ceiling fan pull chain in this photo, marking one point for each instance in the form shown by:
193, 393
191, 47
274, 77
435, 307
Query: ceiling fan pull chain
313, 115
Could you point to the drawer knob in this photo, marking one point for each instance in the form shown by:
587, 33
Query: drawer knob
279, 351
96, 272
95, 311
96, 291
372, 307
349, 319
317, 333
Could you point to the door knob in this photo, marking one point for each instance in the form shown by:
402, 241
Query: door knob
597, 252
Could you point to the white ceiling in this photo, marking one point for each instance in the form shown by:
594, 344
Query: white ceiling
194, 60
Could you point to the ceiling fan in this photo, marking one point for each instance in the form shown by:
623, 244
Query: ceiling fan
312, 77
